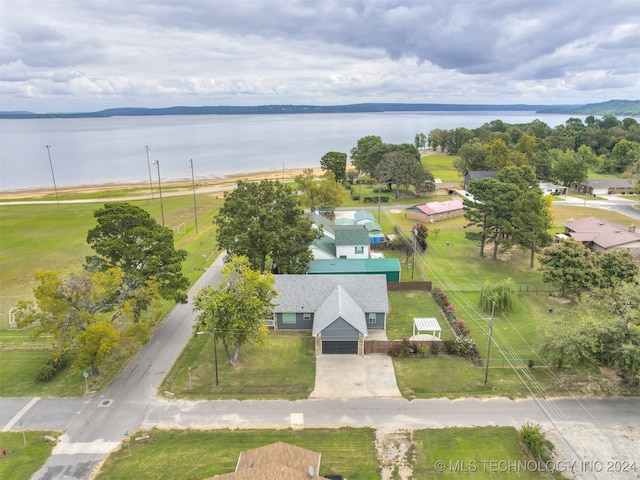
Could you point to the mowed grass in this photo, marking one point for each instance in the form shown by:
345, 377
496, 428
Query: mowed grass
22, 461
192, 454
282, 367
441, 166
460, 453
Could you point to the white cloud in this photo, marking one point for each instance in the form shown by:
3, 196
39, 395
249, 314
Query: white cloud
69, 55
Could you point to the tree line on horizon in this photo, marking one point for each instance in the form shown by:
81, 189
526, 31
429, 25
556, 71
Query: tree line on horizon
564, 154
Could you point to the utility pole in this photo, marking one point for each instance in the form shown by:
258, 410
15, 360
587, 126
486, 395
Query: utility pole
157, 164
146, 147
193, 183
486, 368
55, 188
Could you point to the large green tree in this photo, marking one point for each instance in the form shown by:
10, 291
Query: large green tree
323, 192
128, 238
492, 210
265, 222
362, 152
569, 266
237, 308
403, 169
336, 163
79, 312
532, 221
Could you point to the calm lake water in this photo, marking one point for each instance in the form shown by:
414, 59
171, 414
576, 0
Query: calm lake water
97, 151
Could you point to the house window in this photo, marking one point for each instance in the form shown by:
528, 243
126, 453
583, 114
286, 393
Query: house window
359, 250
288, 318
372, 318
306, 316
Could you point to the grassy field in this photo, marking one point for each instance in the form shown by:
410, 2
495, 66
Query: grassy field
22, 461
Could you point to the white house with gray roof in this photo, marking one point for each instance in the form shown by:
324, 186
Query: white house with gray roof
339, 310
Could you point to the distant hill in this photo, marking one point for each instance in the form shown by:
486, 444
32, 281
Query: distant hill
284, 109
626, 108
615, 107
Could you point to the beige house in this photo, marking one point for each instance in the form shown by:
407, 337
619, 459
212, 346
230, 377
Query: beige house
602, 236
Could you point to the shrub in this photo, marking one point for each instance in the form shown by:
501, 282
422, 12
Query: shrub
534, 439
464, 347
464, 330
422, 351
46, 372
434, 349
405, 348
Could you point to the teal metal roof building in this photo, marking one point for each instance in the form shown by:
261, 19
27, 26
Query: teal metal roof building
345, 266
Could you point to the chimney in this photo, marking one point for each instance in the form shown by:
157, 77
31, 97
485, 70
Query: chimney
632, 228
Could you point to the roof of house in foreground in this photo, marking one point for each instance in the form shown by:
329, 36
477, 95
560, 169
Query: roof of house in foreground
305, 293
276, 461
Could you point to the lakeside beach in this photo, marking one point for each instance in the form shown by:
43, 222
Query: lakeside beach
181, 187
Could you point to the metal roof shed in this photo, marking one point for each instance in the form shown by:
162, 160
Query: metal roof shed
425, 325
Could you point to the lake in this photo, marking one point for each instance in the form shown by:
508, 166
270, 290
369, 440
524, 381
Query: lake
97, 151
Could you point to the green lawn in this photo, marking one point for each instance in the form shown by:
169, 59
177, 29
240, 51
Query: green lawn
441, 166
282, 367
22, 461
192, 454
471, 453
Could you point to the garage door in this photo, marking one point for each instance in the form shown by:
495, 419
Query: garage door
334, 347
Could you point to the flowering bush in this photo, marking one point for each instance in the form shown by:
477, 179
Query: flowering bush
450, 308
461, 326
464, 347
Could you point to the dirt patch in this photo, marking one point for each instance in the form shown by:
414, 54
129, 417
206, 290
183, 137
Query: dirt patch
395, 451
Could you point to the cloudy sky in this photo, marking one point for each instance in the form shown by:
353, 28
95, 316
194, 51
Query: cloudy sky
86, 55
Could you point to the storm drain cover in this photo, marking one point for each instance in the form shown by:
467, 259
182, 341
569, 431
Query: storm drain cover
106, 403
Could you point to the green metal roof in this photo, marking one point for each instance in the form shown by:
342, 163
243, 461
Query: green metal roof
346, 265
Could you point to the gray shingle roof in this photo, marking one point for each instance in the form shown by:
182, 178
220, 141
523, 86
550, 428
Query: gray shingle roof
339, 304
351, 235
306, 293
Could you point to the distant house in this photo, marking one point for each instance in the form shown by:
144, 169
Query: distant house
607, 186
434, 211
278, 460
553, 189
389, 267
338, 309
363, 217
477, 175
601, 235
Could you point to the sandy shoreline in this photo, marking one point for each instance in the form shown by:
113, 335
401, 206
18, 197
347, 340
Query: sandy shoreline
219, 183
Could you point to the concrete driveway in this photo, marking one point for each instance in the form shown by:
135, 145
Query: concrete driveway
355, 376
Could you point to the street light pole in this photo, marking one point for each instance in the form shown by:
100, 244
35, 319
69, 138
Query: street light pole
193, 183
157, 164
215, 350
55, 188
146, 147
